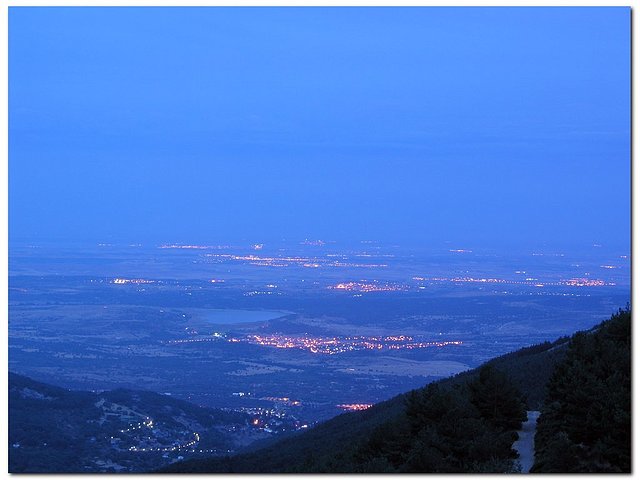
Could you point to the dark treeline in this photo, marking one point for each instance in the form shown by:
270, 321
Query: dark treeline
585, 423
467, 428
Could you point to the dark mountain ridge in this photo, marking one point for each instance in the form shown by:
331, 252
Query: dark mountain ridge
52, 429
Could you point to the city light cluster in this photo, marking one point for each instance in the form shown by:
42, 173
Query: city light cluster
336, 345
367, 287
354, 407
585, 282
573, 282
253, 293
287, 261
122, 281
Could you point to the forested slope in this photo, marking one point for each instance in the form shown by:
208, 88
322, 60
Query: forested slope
585, 423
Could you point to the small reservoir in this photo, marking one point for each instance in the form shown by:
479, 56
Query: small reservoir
229, 317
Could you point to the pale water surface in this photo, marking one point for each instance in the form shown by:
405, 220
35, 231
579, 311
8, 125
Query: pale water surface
227, 316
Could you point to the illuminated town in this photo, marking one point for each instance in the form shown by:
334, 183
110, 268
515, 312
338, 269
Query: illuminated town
585, 282
195, 247
354, 407
573, 282
286, 261
135, 281
325, 345
368, 287
336, 345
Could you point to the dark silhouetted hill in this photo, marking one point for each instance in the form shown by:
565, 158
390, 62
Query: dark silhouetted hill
55, 430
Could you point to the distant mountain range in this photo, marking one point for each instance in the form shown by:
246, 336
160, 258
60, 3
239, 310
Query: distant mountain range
465, 423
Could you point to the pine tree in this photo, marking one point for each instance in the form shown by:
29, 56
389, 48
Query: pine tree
497, 399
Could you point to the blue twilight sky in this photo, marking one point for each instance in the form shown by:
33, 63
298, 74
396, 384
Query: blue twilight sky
482, 126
